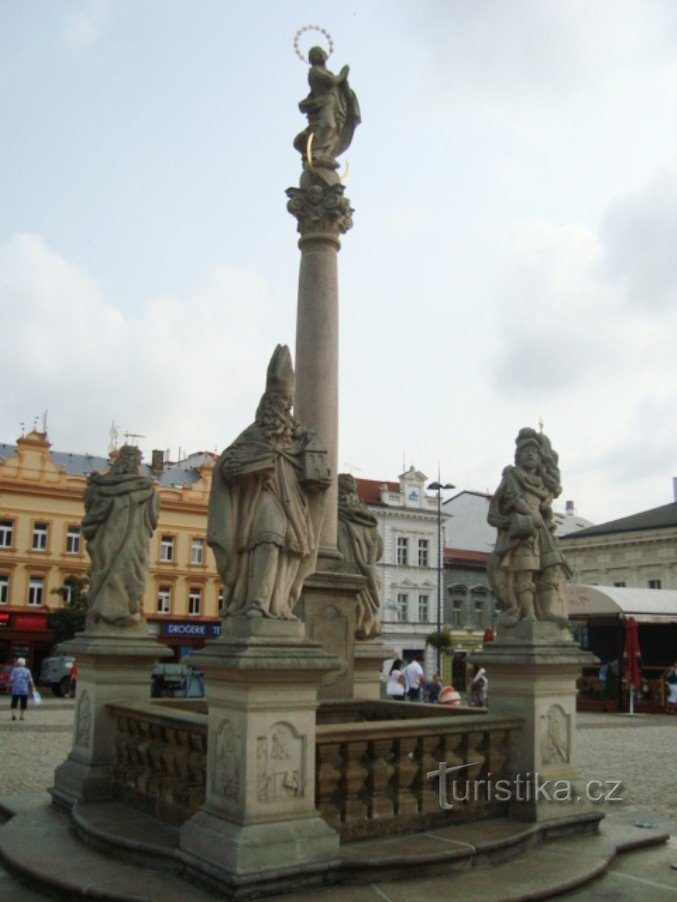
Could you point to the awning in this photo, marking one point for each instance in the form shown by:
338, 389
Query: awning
645, 605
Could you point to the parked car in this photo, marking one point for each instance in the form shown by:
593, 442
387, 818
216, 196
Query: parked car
5, 672
56, 672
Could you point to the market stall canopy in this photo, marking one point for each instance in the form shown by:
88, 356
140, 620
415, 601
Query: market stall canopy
645, 605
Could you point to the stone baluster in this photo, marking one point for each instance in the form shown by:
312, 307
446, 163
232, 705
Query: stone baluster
353, 784
428, 756
380, 796
327, 782
406, 769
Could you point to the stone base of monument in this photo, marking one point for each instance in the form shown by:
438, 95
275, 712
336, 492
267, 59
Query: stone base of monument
259, 811
367, 667
328, 607
113, 666
532, 670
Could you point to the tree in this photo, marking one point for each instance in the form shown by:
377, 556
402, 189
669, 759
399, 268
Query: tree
69, 619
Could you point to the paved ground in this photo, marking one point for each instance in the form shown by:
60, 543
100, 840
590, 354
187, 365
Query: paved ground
637, 751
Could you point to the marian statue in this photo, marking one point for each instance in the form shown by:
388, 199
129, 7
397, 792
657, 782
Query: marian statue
360, 543
527, 570
121, 512
266, 505
333, 115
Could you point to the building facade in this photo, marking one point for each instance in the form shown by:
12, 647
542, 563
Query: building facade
41, 509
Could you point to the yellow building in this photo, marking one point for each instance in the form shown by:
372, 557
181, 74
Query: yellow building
41, 508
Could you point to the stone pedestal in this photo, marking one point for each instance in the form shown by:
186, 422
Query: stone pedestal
328, 607
113, 666
259, 812
532, 670
368, 666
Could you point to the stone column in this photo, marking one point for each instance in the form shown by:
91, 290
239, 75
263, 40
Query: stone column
323, 213
532, 669
113, 666
259, 813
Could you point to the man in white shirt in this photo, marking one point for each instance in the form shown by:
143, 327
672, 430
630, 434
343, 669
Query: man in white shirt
413, 678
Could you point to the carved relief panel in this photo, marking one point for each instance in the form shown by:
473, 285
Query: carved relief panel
280, 764
555, 738
83, 721
226, 774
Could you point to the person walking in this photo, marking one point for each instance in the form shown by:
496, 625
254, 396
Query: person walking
395, 687
22, 683
414, 678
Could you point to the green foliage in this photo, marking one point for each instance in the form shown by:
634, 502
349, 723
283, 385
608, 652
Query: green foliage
70, 618
441, 640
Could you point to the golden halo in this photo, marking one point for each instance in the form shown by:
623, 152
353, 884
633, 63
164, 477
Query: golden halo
298, 34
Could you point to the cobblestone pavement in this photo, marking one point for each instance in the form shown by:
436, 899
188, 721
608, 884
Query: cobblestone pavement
33, 748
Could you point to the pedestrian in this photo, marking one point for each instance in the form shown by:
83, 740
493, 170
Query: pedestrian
395, 686
478, 691
22, 682
671, 680
414, 678
433, 689
73, 680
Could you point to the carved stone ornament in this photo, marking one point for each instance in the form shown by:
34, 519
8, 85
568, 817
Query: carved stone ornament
320, 210
279, 764
555, 739
227, 750
83, 731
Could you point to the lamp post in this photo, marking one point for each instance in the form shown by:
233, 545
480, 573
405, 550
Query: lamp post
439, 488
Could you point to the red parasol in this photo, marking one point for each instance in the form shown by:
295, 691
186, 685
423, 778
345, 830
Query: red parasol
631, 670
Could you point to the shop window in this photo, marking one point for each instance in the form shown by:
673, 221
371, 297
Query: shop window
164, 600
194, 601
4, 588
73, 540
36, 587
167, 548
6, 533
423, 608
197, 551
402, 551
423, 552
40, 537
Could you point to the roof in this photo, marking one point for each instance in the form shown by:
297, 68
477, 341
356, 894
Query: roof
464, 556
656, 518
645, 605
369, 490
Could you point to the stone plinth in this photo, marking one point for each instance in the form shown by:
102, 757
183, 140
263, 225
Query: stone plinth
259, 810
367, 667
532, 670
328, 607
113, 666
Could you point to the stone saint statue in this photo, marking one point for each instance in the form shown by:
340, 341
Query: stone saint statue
121, 512
266, 505
527, 570
333, 115
360, 543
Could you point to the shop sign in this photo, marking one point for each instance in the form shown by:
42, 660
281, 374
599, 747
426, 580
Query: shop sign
191, 630
4, 621
30, 622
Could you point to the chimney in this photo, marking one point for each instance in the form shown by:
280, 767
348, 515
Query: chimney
157, 463
570, 509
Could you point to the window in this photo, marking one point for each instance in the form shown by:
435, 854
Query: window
479, 611
423, 608
67, 591
194, 599
457, 611
196, 551
6, 533
164, 600
73, 540
40, 537
36, 587
4, 588
402, 608
219, 599
423, 548
620, 585
402, 551
167, 548
654, 584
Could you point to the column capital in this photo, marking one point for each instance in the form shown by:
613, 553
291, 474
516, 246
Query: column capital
322, 211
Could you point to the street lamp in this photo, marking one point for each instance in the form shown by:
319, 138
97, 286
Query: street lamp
439, 488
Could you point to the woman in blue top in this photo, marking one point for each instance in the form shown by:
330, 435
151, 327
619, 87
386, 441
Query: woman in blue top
22, 681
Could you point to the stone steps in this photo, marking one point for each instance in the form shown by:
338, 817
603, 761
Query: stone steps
128, 855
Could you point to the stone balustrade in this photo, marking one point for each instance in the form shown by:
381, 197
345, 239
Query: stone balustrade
372, 762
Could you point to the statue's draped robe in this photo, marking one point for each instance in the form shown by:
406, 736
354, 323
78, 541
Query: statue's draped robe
333, 115
249, 506
359, 541
121, 512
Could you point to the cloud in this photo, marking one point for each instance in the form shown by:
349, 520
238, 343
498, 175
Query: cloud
183, 370
83, 28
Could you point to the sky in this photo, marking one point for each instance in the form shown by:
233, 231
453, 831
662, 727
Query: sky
513, 255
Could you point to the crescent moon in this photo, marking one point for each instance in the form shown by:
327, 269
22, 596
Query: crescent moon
346, 173
309, 150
